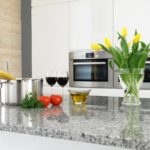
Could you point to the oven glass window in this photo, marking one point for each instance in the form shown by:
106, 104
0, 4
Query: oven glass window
147, 72
91, 70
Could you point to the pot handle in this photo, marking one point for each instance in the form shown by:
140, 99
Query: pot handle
7, 82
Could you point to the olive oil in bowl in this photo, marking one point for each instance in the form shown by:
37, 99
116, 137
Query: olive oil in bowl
79, 96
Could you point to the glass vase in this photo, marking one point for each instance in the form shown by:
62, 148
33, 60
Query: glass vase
131, 126
130, 80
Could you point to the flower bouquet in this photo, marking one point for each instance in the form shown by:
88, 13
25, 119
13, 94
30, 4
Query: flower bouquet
130, 59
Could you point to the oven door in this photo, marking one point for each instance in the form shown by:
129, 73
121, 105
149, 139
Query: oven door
91, 73
146, 82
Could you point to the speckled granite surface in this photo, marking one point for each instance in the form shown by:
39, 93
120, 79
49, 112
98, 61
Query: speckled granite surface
102, 121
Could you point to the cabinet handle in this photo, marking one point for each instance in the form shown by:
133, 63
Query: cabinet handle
89, 63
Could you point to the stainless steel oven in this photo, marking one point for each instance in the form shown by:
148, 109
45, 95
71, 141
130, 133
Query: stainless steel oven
90, 69
146, 82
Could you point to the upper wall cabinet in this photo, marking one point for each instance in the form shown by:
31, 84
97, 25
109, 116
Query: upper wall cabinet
46, 2
89, 21
49, 38
134, 14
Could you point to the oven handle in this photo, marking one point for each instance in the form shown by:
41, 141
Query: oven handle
147, 62
89, 63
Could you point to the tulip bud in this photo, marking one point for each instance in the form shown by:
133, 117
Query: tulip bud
107, 42
129, 44
96, 47
124, 32
137, 38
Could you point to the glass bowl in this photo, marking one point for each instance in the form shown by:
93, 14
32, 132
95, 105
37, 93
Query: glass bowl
79, 96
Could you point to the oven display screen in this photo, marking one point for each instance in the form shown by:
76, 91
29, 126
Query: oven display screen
91, 70
89, 55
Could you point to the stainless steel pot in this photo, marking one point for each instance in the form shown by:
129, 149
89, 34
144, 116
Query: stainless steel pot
13, 91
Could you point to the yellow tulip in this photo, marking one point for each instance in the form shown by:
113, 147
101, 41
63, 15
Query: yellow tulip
124, 32
108, 43
96, 47
129, 44
137, 38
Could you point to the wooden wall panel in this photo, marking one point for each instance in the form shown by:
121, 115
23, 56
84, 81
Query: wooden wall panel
10, 34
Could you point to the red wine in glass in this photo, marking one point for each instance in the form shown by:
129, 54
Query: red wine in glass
51, 80
62, 81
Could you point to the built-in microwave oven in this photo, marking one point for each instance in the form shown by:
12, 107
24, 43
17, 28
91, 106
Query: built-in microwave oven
146, 82
90, 69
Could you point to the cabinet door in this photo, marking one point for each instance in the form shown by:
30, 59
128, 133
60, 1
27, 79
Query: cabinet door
49, 38
35, 3
134, 14
90, 21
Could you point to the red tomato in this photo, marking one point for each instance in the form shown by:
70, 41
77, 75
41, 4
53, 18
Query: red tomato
56, 100
45, 100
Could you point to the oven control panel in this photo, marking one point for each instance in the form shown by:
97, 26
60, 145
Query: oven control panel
89, 55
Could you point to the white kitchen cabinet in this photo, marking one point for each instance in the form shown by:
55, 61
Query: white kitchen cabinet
89, 21
133, 14
49, 38
36, 3
62, 25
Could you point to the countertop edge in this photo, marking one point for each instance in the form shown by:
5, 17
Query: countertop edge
80, 137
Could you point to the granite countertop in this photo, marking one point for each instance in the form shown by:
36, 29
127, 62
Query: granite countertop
101, 121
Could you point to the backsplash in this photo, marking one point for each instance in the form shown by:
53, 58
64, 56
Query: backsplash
10, 35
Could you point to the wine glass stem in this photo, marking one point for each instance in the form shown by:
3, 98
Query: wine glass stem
51, 91
62, 93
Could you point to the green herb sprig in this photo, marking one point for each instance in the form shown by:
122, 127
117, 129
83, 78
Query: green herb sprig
31, 101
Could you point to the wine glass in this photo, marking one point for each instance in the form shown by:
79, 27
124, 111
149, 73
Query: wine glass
62, 79
51, 78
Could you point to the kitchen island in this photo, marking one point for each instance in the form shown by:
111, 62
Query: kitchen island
101, 121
